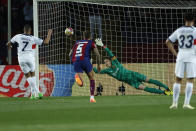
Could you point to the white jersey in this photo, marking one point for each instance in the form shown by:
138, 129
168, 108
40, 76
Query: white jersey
26, 44
186, 36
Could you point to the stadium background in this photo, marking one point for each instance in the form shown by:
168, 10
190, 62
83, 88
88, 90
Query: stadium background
138, 45
110, 113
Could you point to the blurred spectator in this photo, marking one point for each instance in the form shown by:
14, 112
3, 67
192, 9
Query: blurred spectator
17, 16
3, 31
4, 2
17, 22
3, 61
95, 20
3, 21
28, 13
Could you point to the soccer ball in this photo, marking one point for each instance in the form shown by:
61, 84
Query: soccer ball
69, 31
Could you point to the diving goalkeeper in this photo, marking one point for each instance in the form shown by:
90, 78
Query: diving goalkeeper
134, 79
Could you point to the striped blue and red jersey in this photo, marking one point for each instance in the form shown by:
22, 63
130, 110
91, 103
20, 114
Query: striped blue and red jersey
82, 50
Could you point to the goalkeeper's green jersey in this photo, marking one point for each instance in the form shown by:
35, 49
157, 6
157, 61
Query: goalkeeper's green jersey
120, 73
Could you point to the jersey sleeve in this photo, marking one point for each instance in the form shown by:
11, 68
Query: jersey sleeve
37, 40
14, 39
173, 37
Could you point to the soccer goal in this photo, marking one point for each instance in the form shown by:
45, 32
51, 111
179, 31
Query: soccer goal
134, 30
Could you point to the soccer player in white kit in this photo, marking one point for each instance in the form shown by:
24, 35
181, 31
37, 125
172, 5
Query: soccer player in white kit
186, 59
26, 45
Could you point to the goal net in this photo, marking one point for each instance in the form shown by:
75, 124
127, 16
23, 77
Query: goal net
135, 31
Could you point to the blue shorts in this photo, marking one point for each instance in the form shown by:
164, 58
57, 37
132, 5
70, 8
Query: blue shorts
83, 65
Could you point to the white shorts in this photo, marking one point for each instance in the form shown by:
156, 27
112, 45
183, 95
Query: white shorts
188, 67
27, 64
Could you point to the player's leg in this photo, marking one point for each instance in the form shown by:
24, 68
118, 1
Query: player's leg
28, 77
191, 74
88, 68
143, 78
26, 70
37, 92
78, 76
31, 64
179, 72
92, 86
150, 90
176, 93
157, 83
188, 94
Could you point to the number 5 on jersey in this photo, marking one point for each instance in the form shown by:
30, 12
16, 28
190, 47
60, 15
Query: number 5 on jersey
79, 50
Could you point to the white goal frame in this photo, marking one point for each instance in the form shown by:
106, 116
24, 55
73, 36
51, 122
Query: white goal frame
35, 17
35, 27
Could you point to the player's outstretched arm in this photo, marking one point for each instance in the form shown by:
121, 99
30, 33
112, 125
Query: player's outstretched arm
47, 40
100, 43
111, 55
171, 47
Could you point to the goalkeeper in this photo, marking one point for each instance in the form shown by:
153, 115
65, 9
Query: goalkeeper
134, 79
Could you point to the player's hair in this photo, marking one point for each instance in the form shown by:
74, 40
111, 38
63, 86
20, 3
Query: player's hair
87, 35
189, 17
27, 27
106, 57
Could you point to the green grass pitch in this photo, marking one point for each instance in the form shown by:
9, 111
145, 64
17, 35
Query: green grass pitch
110, 113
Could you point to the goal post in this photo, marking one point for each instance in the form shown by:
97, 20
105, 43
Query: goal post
35, 31
134, 30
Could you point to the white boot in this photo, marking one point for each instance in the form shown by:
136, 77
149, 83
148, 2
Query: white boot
188, 107
174, 106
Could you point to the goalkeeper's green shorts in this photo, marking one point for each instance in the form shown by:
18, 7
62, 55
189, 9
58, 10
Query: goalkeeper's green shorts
136, 79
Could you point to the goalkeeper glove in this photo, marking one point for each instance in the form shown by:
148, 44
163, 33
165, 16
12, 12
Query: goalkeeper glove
98, 42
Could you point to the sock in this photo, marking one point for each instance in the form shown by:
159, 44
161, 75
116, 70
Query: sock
30, 81
153, 90
92, 87
35, 85
188, 93
176, 92
158, 83
32, 91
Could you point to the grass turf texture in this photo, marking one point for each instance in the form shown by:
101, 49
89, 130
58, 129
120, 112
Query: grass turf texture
110, 113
